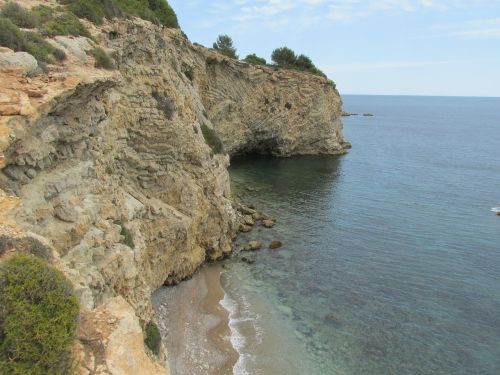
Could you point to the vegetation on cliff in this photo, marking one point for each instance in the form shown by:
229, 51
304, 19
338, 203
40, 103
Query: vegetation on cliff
212, 139
38, 315
224, 45
156, 11
152, 337
284, 57
254, 59
14, 38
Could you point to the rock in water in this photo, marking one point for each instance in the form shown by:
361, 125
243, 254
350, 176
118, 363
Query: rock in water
275, 244
252, 246
268, 223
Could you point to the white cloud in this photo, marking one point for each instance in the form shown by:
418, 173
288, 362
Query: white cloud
380, 65
305, 11
488, 28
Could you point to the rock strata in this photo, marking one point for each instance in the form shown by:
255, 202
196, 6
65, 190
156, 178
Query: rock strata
111, 169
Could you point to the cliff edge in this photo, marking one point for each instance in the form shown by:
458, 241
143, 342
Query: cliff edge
111, 170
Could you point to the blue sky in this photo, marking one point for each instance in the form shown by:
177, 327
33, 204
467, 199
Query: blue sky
400, 47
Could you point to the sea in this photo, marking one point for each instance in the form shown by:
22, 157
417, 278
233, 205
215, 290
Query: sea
391, 256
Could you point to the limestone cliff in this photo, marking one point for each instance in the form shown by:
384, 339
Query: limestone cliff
112, 170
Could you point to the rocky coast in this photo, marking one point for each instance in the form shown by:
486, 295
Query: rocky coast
111, 172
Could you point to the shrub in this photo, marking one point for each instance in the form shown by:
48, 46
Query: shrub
43, 13
102, 60
10, 35
157, 11
66, 24
212, 139
128, 239
20, 16
284, 56
153, 338
254, 59
38, 47
88, 9
38, 317
34, 44
59, 54
224, 45
164, 13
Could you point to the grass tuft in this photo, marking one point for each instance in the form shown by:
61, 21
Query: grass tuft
212, 139
102, 60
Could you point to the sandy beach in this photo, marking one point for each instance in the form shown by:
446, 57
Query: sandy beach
194, 326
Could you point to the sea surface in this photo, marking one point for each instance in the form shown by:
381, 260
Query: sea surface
391, 256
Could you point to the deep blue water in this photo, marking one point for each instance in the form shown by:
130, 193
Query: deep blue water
391, 263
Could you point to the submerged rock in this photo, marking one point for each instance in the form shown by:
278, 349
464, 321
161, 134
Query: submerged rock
247, 260
275, 244
252, 246
268, 223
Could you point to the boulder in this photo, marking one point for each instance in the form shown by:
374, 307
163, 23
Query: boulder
252, 246
76, 46
248, 220
63, 211
18, 60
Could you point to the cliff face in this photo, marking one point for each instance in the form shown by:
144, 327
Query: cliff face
112, 169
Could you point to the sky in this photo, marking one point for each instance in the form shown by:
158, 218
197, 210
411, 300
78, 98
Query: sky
386, 47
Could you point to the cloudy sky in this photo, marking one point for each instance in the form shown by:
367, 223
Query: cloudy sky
410, 47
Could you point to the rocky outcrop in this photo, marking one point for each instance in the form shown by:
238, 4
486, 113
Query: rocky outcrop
113, 170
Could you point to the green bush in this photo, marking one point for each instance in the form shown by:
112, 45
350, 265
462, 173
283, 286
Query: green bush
153, 337
164, 13
19, 16
88, 9
38, 317
43, 13
42, 50
10, 35
224, 45
284, 57
66, 24
102, 60
212, 139
128, 239
254, 59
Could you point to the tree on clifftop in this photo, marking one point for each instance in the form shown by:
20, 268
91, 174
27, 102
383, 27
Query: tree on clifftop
284, 56
254, 59
224, 45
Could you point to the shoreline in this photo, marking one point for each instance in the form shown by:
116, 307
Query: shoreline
195, 326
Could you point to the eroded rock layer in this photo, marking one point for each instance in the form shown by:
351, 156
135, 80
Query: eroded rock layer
113, 170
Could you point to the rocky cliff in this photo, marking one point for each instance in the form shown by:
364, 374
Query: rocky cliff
111, 170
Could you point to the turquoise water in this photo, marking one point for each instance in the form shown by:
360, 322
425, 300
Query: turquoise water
391, 263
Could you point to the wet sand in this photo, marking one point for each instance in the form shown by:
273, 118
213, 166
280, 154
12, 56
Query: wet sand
194, 326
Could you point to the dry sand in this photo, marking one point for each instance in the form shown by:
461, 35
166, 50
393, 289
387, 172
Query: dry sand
194, 326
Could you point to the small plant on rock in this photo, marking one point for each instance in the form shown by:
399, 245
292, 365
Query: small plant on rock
102, 60
153, 337
212, 139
